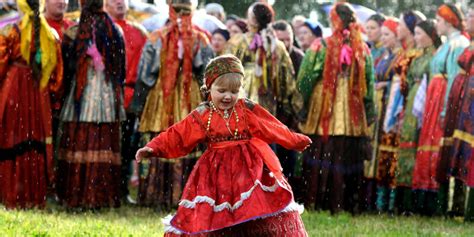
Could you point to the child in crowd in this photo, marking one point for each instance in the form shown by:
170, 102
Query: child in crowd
237, 186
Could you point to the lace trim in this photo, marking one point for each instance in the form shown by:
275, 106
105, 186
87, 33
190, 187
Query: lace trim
226, 205
293, 206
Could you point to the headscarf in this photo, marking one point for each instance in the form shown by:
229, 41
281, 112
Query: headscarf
315, 27
451, 14
222, 32
411, 18
42, 49
344, 47
392, 24
429, 28
222, 65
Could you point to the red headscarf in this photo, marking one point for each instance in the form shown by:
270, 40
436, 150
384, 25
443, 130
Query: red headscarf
351, 37
449, 15
222, 65
392, 24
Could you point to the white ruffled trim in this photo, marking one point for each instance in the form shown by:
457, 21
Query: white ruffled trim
293, 206
226, 205
168, 227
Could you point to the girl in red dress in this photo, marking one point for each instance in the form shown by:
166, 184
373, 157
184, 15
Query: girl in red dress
237, 186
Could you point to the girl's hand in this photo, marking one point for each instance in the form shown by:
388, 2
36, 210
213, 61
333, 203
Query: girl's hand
144, 152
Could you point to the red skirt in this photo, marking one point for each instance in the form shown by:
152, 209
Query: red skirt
230, 185
287, 224
449, 165
89, 165
427, 156
25, 142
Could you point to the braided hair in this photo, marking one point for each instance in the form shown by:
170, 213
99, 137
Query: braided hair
35, 61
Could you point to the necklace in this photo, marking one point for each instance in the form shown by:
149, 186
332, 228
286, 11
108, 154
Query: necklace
226, 119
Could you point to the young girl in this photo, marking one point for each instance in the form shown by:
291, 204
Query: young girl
237, 186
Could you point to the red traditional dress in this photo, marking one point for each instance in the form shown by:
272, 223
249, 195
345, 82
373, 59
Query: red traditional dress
26, 152
232, 182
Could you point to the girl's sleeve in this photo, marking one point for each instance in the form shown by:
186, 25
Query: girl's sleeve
179, 139
265, 126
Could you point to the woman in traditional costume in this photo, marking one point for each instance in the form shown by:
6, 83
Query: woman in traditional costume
384, 72
336, 81
167, 89
464, 133
30, 70
427, 41
89, 159
237, 187
444, 68
446, 167
373, 28
395, 109
269, 73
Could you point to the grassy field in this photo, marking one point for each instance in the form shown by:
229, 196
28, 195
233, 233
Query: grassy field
134, 221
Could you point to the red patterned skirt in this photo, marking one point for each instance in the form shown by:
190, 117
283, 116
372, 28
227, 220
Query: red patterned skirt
25, 140
89, 165
230, 185
427, 156
287, 224
448, 164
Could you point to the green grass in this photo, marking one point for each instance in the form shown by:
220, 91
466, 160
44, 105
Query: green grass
134, 221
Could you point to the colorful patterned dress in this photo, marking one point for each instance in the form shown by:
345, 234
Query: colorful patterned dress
232, 190
384, 72
462, 160
333, 168
269, 74
89, 157
26, 149
419, 71
444, 69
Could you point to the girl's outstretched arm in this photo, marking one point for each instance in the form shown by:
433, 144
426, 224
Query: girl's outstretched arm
177, 141
268, 128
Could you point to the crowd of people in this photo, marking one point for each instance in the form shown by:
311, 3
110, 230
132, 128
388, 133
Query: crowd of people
388, 105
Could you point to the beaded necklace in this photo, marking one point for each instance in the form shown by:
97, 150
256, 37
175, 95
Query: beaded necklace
226, 119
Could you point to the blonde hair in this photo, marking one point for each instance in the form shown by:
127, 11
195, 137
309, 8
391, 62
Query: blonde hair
232, 81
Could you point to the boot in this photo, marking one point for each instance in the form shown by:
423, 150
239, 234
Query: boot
381, 202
